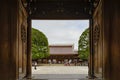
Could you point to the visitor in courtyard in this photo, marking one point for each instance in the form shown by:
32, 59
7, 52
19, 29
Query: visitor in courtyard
59, 62
69, 63
75, 62
66, 63
49, 62
35, 65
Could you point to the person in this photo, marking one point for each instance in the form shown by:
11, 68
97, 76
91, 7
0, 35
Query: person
35, 65
69, 62
75, 62
65, 62
49, 62
59, 62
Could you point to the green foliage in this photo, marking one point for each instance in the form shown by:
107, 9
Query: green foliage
40, 47
83, 45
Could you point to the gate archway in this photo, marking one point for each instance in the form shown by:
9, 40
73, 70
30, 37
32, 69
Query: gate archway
104, 56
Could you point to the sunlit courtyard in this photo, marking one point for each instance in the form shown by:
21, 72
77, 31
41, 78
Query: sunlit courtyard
60, 72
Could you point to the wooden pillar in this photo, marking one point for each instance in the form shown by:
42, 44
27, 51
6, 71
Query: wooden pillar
91, 56
29, 58
8, 40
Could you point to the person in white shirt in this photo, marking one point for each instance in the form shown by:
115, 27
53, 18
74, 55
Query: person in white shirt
35, 65
69, 62
49, 62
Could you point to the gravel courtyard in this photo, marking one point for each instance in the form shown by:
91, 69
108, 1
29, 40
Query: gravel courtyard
60, 73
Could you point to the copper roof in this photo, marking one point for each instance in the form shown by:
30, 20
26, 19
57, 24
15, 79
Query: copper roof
62, 49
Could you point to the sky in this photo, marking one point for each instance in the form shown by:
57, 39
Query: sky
61, 31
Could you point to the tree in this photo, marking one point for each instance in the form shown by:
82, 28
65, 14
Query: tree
83, 45
40, 47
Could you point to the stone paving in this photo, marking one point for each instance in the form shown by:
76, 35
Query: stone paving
60, 73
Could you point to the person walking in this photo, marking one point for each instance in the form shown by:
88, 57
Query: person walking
35, 65
49, 61
69, 63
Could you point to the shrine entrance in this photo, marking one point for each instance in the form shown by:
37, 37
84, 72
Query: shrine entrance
64, 10
15, 33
